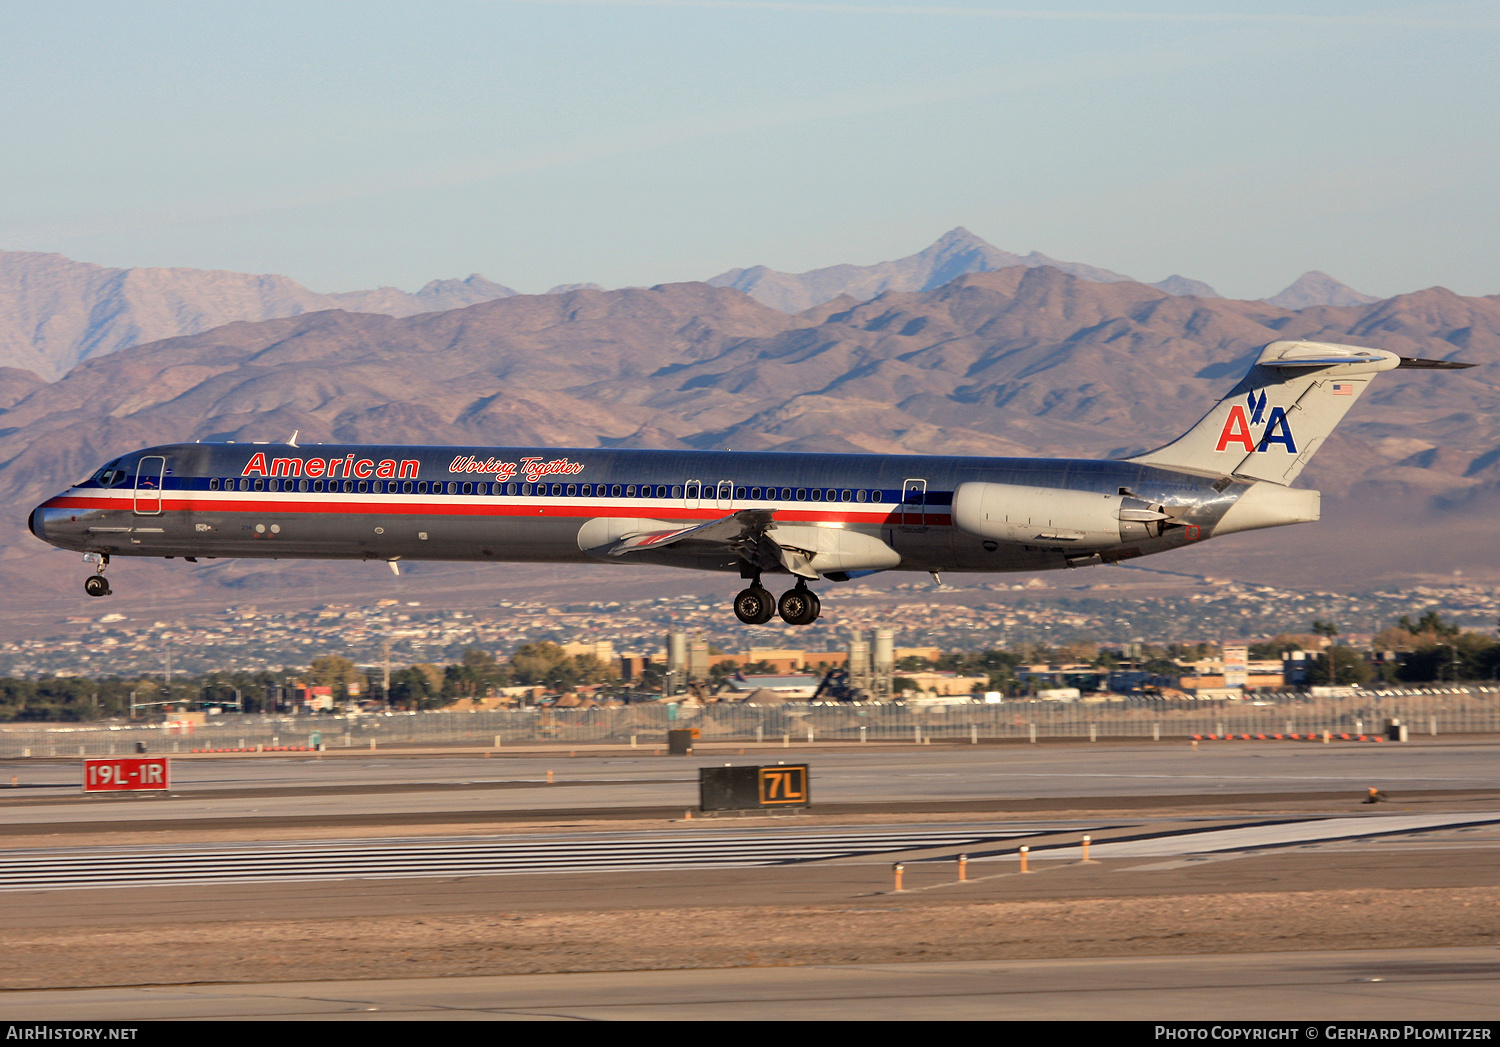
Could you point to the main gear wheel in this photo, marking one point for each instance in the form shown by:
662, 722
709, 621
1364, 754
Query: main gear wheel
799, 606
754, 606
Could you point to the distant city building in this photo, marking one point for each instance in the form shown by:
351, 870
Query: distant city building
317, 699
604, 650
633, 666
697, 664
995, 614
1233, 671
941, 683
1236, 664
883, 665
1296, 667
785, 659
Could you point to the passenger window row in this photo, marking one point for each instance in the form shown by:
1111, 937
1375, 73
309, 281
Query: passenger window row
527, 490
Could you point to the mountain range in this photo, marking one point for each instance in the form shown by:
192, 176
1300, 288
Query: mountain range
56, 312
1022, 360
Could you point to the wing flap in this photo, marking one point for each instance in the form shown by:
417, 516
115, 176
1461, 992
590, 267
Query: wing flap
744, 533
743, 524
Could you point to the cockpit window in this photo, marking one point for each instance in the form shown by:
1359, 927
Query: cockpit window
111, 475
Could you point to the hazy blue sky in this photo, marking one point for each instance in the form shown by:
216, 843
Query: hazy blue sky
642, 141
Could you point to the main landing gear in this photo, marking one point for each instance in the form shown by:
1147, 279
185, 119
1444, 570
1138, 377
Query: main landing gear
798, 606
96, 584
755, 605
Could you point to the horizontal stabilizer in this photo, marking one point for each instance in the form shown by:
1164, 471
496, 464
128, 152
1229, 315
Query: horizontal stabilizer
1313, 361
1418, 363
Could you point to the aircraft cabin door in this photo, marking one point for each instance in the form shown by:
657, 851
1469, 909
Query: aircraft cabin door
725, 498
148, 480
914, 505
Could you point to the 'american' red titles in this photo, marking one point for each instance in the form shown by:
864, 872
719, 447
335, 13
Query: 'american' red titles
386, 468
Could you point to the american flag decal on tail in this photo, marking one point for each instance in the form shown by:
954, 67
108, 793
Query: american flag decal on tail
1343, 388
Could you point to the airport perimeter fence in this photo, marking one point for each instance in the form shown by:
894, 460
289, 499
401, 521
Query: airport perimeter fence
1455, 710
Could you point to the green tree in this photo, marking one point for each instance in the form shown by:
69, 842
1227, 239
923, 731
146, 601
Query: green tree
1433, 649
534, 663
475, 676
1430, 624
417, 687
1340, 667
333, 671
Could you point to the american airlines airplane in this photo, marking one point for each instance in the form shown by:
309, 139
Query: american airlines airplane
806, 516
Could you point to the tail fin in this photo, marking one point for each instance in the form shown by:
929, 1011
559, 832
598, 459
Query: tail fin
1277, 417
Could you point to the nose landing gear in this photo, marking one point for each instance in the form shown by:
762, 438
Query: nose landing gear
96, 584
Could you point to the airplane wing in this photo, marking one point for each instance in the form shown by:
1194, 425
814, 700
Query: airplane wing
744, 532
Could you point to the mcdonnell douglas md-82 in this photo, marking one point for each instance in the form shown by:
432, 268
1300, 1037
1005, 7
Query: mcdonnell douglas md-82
809, 516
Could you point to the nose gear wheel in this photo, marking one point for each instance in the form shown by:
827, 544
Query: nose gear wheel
96, 584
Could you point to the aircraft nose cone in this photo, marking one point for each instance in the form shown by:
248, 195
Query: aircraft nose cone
55, 526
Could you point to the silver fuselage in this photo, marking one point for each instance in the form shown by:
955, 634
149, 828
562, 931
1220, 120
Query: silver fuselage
530, 505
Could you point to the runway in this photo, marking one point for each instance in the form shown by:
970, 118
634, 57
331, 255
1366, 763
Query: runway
380, 789
484, 885
684, 847
469, 856
1295, 988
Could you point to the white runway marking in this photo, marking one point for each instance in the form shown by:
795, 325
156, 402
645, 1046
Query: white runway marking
468, 856
1258, 837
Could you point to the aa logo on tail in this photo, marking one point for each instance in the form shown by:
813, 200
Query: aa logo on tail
1237, 431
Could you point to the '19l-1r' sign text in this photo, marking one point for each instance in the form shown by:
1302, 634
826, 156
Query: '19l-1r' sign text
131, 773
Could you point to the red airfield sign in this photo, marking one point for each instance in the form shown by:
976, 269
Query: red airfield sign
127, 774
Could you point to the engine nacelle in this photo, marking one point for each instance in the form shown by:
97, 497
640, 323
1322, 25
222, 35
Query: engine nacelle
1053, 517
833, 549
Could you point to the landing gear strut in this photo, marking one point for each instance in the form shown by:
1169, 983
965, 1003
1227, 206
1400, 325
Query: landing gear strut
96, 584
